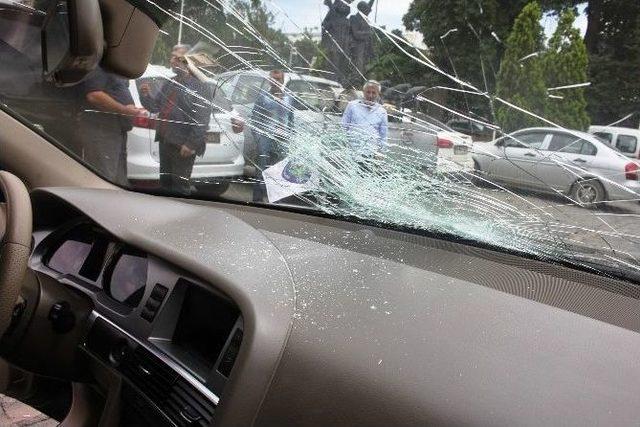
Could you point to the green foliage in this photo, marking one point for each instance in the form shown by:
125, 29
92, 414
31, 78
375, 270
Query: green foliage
307, 50
260, 34
390, 63
200, 19
565, 63
521, 77
208, 23
461, 51
614, 61
475, 50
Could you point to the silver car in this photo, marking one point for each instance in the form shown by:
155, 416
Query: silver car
553, 160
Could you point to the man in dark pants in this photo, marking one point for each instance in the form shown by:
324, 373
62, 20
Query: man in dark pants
271, 123
183, 117
106, 109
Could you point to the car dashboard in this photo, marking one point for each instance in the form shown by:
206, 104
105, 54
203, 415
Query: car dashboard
218, 314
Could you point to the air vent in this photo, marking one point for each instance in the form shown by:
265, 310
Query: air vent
188, 407
173, 395
148, 374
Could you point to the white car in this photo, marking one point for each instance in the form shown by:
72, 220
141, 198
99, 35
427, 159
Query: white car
312, 96
224, 154
624, 139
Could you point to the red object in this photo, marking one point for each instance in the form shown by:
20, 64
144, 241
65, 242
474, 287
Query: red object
631, 171
144, 121
237, 125
165, 113
444, 143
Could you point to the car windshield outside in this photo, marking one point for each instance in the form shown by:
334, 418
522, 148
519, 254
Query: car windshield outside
339, 109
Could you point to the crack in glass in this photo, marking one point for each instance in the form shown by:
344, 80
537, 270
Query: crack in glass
523, 189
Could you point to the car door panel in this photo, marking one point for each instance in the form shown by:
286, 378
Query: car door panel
567, 159
520, 159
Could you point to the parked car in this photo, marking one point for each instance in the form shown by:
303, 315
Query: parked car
415, 136
223, 156
312, 96
624, 139
554, 160
476, 130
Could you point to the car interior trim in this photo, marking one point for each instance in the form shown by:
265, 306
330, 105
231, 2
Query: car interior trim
159, 354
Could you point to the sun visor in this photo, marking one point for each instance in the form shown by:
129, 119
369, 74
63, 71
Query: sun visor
130, 30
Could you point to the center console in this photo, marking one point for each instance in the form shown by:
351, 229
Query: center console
177, 374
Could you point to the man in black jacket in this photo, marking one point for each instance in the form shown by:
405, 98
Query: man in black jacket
183, 118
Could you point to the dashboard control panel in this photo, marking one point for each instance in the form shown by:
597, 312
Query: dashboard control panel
173, 338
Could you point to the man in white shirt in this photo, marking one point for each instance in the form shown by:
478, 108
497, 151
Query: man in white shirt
365, 120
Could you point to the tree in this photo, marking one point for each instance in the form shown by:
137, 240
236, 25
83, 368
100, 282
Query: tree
258, 32
391, 64
474, 49
613, 43
460, 35
307, 49
203, 17
565, 63
521, 78
207, 22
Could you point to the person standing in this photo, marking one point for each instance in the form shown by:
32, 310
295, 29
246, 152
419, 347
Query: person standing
105, 117
365, 121
271, 123
183, 117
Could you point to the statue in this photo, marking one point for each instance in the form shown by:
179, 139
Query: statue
361, 37
336, 37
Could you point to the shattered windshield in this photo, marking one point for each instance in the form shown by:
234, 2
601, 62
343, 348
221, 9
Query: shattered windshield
512, 124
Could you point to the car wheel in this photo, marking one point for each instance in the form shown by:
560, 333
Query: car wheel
587, 192
477, 176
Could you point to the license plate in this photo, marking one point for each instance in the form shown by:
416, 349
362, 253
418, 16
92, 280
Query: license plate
460, 149
213, 138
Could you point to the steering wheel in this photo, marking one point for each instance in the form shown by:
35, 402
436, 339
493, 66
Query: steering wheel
15, 242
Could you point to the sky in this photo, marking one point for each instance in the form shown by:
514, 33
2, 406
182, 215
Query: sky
294, 15
309, 13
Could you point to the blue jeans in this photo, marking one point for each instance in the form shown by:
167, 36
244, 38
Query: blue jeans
267, 156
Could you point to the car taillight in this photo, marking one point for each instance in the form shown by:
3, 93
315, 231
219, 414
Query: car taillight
237, 125
144, 121
631, 171
444, 143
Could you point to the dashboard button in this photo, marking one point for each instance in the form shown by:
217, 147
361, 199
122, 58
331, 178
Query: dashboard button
153, 305
159, 292
147, 314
